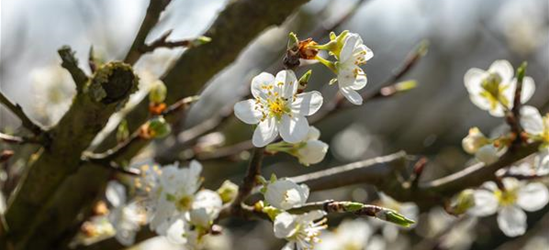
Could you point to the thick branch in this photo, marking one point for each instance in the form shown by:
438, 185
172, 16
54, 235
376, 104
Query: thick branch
156, 7
109, 88
18, 111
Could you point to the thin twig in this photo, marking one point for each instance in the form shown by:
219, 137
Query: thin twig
20, 140
162, 42
156, 7
18, 111
513, 115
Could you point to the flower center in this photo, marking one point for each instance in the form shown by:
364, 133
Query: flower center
277, 107
184, 203
493, 90
507, 197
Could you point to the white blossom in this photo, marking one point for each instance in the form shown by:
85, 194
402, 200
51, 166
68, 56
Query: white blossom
349, 235
126, 218
350, 76
534, 124
286, 194
178, 187
205, 209
277, 108
510, 203
494, 89
300, 230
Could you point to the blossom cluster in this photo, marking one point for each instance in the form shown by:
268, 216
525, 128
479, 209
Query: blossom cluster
495, 90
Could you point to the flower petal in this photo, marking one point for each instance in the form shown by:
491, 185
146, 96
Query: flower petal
486, 203
246, 111
351, 95
176, 232
531, 120
313, 152
503, 68
258, 84
265, 132
360, 81
307, 103
528, 89
473, 79
349, 46
116, 193
532, 197
284, 225
286, 83
294, 129
512, 221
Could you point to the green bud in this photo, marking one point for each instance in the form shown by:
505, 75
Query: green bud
521, 71
332, 35
200, 41
293, 41
406, 85
422, 48
394, 217
273, 178
227, 191
122, 132
304, 80
158, 127
158, 92
352, 206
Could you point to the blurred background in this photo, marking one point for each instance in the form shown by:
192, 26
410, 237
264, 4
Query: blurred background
430, 120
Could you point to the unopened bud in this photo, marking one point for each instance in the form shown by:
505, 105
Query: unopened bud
227, 191
156, 128
304, 80
200, 41
474, 141
158, 92
394, 217
463, 202
293, 41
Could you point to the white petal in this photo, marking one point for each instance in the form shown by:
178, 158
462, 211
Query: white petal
349, 46
512, 221
531, 120
265, 132
313, 134
503, 68
307, 103
116, 193
360, 81
176, 231
258, 84
313, 152
369, 52
246, 111
284, 225
486, 203
487, 154
294, 129
528, 89
286, 194
351, 95
532, 197
473, 80
286, 83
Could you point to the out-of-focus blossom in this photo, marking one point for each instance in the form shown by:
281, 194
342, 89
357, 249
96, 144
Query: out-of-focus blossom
534, 124
349, 235
53, 90
277, 108
474, 141
301, 231
487, 154
510, 203
126, 218
494, 89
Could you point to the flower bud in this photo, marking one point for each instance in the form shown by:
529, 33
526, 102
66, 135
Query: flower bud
158, 92
227, 191
475, 140
463, 202
304, 80
293, 41
156, 128
487, 154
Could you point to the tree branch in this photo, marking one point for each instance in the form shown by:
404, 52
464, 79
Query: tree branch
18, 111
20, 140
156, 7
249, 181
70, 63
109, 88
